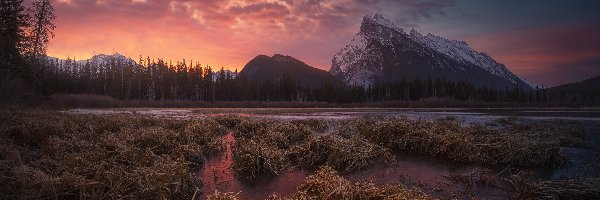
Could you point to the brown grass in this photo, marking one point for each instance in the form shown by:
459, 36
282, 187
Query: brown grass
52, 155
262, 147
265, 148
327, 184
535, 144
340, 153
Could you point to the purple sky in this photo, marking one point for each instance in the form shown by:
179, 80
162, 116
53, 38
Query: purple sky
550, 42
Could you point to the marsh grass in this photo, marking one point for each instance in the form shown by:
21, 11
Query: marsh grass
53, 155
533, 144
262, 147
265, 148
326, 183
344, 154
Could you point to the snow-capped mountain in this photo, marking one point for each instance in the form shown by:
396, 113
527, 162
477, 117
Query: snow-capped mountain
381, 51
99, 59
224, 72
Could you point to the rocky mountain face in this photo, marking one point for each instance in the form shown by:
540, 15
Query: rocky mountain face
267, 68
381, 51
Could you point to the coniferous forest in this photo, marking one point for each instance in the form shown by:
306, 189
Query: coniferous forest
27, 70
161, 80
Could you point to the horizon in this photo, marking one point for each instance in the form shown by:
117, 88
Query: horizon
230, 33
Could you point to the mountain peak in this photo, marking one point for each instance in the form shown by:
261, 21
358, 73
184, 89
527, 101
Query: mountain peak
380, 20
381, 51
275, 67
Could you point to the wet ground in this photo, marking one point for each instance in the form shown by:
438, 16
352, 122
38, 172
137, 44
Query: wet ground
476, 114
431, 175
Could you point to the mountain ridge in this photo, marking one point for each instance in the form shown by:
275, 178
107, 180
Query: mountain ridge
381, 51
263, 67
586, 87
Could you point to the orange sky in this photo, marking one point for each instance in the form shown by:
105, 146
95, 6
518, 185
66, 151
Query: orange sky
218, 33
544, 42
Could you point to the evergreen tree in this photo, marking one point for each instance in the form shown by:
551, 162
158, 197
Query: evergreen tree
42, 21
13, 25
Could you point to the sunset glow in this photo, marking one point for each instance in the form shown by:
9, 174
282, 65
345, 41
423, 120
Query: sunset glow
230, 33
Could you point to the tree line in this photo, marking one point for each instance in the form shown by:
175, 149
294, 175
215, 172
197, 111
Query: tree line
24, 36
25, 33
149, 79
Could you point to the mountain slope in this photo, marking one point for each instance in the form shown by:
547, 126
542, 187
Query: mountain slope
381, 51
267, 68
589, 87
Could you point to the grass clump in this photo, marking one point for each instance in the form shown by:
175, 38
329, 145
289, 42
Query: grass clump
229, 120
345, 154
534, 144
253, 158
318, 125
262, 147
327, 184
54, 155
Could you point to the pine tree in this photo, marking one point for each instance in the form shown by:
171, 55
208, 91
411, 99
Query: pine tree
13, 24
42, 26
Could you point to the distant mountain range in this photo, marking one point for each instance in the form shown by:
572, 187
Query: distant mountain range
99, 59
267, 68
587, 88
381, 51
118, 59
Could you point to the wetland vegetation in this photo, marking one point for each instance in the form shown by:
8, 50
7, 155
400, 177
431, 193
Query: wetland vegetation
54, 155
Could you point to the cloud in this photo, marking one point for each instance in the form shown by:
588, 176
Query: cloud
222, 32
231, 32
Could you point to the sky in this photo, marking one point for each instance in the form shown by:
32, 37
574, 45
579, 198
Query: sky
545, 41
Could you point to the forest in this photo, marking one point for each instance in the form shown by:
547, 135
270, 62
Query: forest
161, 80
27, 71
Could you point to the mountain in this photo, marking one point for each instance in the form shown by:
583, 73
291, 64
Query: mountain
267, 68
99, 59
381, 51
589, 87
225, 73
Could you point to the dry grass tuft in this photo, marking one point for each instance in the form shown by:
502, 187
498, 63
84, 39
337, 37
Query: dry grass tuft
533, 144
318, 125
253, 158
327, 184
264, 148
229, 120
54, 155
345, 154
